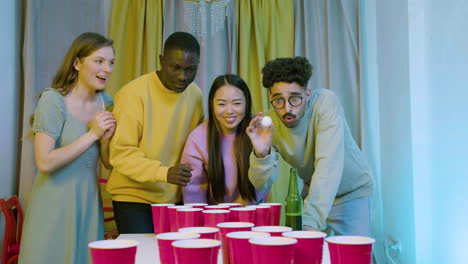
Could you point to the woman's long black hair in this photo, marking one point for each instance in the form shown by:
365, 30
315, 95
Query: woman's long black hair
242, 144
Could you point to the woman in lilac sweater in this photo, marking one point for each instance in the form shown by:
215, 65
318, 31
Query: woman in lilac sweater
218, 149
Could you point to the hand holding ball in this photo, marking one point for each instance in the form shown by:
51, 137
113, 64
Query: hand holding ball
266, 121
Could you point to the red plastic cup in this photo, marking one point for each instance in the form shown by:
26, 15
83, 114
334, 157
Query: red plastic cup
196, 251
197, 205
189, 217
273, 230
243, 214
204, 231
227, 227
309, 247
273, 250
212, 218
274, 213
262, 218
172, 212
161, 218
166, 252
216, 207
350, 249
240, 250
231, 205
113, 251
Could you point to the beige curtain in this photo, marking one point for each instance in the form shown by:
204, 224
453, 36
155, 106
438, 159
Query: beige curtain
265, 31
137, 29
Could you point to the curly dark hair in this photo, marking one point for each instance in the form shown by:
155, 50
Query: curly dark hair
297, 69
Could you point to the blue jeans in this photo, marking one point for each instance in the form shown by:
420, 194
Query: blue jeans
133, 217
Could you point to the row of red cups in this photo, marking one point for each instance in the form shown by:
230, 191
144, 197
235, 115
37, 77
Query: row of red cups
169, 218
228, 227
243, 243
307, 247
170, 252
240, 245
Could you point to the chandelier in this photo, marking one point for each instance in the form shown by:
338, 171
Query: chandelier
205, 17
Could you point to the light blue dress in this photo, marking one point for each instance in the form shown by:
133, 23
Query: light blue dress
64, 211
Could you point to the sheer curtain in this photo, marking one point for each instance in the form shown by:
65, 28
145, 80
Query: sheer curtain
218, 50
50, 27
328, 33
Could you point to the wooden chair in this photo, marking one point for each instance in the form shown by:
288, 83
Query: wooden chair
13, 226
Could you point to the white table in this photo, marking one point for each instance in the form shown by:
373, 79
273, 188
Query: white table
148, 253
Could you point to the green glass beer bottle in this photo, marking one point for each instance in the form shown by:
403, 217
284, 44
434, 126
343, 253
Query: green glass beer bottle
294, 203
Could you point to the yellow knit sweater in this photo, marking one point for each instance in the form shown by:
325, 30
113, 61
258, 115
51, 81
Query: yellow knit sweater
152, 126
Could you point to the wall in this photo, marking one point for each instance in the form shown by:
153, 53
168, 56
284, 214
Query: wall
395, 126
421, 60
10, 28
10, 86
447, 79
421, 132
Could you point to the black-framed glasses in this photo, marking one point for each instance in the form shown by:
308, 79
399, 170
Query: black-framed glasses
294, 100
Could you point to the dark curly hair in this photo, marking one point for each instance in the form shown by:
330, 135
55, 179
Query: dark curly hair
297, 69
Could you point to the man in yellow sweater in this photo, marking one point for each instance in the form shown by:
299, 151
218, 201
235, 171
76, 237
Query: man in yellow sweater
155, 113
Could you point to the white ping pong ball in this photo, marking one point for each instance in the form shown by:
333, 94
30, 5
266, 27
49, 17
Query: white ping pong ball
266, 121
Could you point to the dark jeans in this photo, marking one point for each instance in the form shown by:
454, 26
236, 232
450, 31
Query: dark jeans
133, 217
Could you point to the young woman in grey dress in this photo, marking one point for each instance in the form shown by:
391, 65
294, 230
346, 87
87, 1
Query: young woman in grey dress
72, 127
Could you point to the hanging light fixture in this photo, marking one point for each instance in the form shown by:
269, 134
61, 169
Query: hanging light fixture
205, 17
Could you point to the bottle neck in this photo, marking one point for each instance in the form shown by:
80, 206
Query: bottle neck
293, 182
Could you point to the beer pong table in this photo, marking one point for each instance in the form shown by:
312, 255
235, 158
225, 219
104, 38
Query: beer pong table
148, 253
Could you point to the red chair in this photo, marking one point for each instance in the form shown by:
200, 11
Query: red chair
13, 226
108, 234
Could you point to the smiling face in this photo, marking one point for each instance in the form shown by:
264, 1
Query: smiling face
282, 91
95, 69
229, 108
178, 69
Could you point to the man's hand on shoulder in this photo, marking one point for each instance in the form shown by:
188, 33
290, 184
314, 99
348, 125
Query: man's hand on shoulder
179, 174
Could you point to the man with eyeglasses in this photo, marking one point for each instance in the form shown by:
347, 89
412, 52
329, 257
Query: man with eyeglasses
311, 134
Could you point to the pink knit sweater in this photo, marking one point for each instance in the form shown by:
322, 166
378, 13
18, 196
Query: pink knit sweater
195, 154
